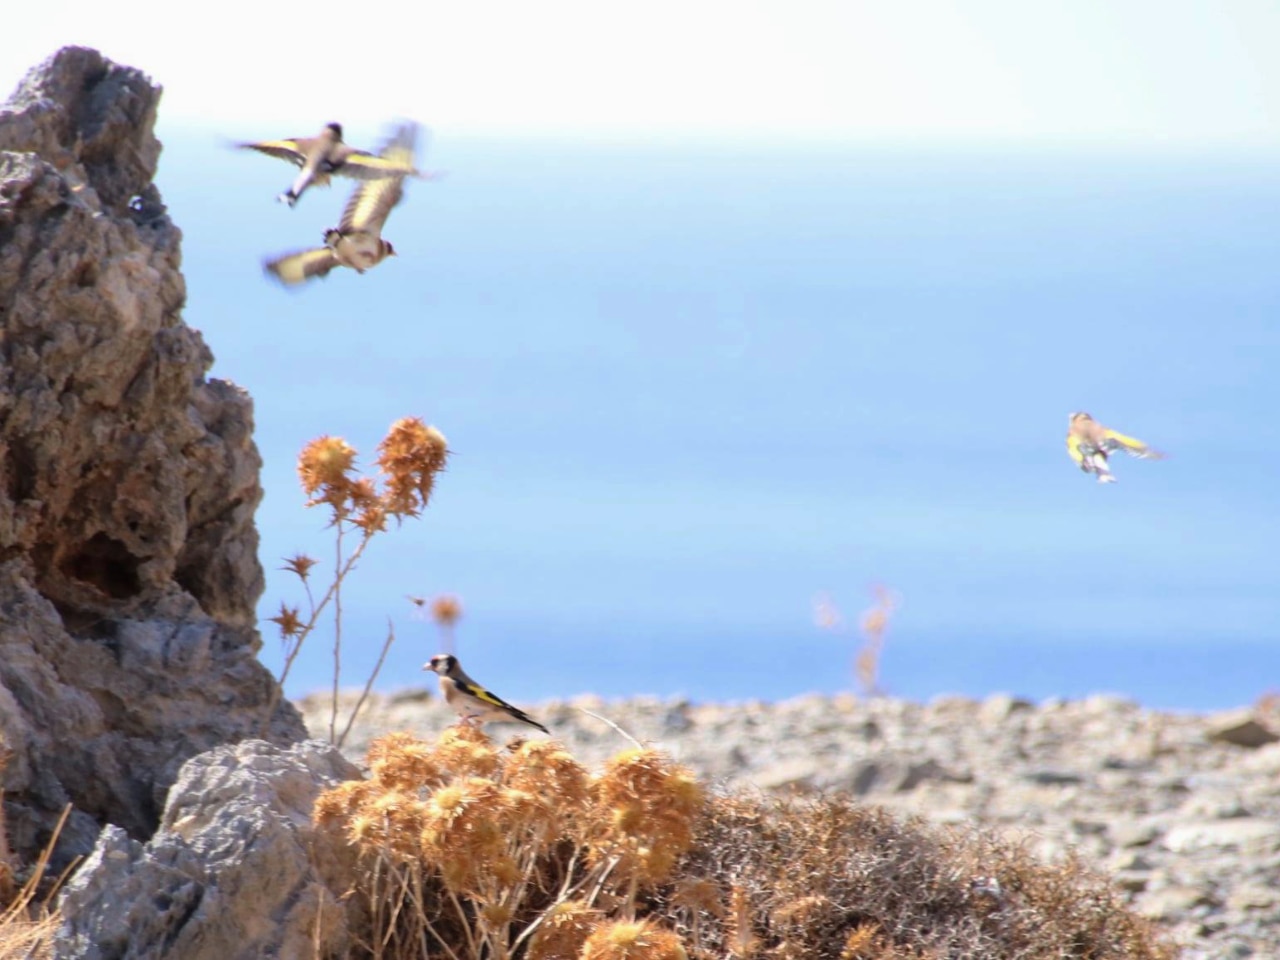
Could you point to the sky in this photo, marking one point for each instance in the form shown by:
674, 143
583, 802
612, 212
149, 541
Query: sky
722, 309
1150, 71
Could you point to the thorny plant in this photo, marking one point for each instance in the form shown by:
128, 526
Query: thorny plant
470, 853
409, 458
873, 625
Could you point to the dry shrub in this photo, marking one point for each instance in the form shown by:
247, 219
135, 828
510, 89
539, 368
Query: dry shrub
469, 852
834, 878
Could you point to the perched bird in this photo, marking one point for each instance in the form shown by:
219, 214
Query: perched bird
1089, 443
357, 240
470, 700
324, 155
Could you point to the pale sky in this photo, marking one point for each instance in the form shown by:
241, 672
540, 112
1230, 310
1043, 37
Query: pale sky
1133, 71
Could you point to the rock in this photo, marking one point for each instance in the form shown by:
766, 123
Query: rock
1241, 728
1252, 833
1053, 778
1001, 706
235, 870
1169, 903
128, 481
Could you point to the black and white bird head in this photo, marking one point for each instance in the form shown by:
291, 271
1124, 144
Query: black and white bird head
442, 663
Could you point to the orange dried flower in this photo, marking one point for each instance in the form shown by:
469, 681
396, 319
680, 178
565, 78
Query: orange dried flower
288, 620
446, 610
323, 468
641, 940
564, 930
300, 564
409, 457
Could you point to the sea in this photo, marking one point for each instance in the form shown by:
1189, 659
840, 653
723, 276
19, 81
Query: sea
696, 390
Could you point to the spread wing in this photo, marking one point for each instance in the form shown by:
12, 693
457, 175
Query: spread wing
1115, 440
294, 268
372, 201
295, 151
362, 165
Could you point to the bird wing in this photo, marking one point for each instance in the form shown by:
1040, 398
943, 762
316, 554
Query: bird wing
294, 268
373, 200
483, 695
1073, 448
295, 151
1115, 440
362, 165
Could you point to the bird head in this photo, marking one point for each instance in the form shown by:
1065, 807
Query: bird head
388, 249
335, 128
1080, 416
442, 663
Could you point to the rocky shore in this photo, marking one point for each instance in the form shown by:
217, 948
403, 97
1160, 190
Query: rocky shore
1182, 810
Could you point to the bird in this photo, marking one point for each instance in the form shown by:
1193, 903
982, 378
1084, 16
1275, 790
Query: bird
470, 700
324, 155
357, 240
1089, 443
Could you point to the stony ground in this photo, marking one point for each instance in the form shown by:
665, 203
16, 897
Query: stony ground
1183, 810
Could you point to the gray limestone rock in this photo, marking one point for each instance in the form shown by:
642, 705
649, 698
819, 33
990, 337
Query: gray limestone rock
235, 870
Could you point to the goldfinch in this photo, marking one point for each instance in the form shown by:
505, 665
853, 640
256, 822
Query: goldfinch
325, 155
1089, 443
357, 240
470, 700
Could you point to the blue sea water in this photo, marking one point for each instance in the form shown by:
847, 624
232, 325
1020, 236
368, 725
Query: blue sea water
689, 387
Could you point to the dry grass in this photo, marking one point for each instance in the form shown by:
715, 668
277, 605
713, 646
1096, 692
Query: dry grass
27, 920
470, 852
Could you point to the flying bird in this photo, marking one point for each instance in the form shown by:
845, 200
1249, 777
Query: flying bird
357, 240
470, 700
325, 155
1089, 443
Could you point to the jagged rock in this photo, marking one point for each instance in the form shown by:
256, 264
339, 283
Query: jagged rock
235, 870
128, 481
1242, 728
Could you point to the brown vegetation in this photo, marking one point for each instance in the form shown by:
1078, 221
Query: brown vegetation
468, 852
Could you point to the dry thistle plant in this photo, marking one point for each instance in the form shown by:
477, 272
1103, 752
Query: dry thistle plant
409, 458
874, 623
469, 852
478, 853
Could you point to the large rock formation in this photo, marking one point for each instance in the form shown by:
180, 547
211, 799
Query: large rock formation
128, 481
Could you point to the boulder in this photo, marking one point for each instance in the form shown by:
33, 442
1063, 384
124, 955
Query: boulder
235, 870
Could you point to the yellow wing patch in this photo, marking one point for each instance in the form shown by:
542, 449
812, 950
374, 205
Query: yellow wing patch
480, 693
1073, 448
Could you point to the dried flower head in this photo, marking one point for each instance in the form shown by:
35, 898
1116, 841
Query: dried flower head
544, 769
446, 610
465, 750
324, 467
336, 805
564, 930
409, 457
299, 564
400, 760
645, 808
288, 620
623, 940
861, 944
